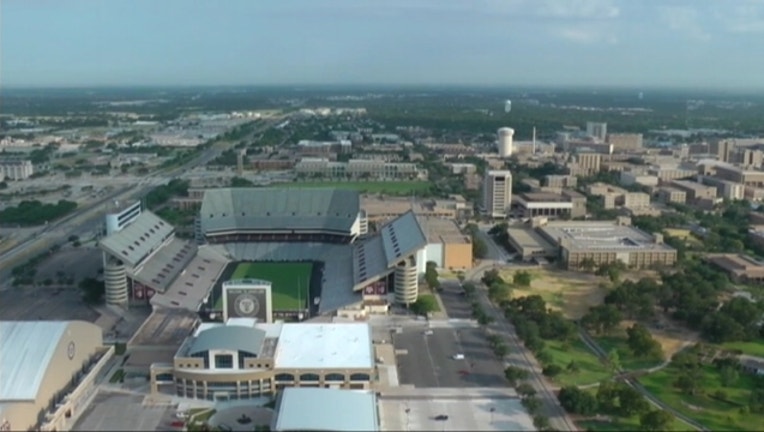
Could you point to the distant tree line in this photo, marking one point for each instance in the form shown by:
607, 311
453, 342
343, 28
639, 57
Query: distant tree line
31, 213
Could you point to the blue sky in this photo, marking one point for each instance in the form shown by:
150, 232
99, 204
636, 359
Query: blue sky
689, 43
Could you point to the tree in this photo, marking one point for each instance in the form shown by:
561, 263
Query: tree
424, 305
525, 390
613, 361
577, 401
729, 375
540, 422
641, 342
756, 401
513, 374
602, 319
552, 370
587, 264
498, 292
655, 421
522, 278
631, 402
532, 404
479, 248
92, 290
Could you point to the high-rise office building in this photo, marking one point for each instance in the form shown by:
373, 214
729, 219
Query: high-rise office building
597, 130
497, 193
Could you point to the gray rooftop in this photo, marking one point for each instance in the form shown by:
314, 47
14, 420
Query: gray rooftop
189, 289
26, 351
233, 338
601, 236
139, 239
401, 237
166, 264
269, 209
317, 409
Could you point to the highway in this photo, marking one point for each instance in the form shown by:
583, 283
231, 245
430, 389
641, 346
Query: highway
90, 217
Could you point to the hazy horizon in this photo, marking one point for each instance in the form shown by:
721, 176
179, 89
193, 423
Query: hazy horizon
588, 44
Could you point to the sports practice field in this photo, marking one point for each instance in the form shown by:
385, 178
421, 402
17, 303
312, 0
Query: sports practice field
285, 278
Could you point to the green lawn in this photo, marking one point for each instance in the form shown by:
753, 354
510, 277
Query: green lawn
628, 361
384, 187
625, 424
290, 282
714, 414
755, 348
590, 369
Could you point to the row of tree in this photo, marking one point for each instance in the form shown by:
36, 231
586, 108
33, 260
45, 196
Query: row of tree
30, 213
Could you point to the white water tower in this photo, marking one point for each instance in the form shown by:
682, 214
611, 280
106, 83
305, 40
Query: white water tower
505, 141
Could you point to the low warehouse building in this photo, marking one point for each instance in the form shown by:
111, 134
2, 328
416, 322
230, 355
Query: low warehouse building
47, 372
446, 246
314, 409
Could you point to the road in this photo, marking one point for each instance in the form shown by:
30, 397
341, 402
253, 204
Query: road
90, 217
633, 383
518, 355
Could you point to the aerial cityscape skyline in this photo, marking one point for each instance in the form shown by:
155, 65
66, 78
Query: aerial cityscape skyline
511, 42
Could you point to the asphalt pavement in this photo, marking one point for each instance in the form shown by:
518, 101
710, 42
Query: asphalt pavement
456, 304
429, 361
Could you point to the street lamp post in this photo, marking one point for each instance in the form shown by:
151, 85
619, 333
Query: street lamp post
408, 410
492, 410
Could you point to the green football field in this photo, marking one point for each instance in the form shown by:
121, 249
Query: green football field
285, 278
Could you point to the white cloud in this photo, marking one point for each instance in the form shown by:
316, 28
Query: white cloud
578, 9
745, 16
685, 20
587, 35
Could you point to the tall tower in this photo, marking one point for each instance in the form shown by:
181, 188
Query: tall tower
505, 135
533, 150
597, 130
497, 193
240, 163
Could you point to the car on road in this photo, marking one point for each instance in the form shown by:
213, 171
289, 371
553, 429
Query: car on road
464, 372
441, 417
458, 356
427, 332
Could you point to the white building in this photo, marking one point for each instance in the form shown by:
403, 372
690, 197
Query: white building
16, 169
497, 193
597, 130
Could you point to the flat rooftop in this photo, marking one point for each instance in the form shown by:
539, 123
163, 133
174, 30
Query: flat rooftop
541, 197
441, 230
736, 262
324, 346
602, 236
321, 409
528, 239
165, 327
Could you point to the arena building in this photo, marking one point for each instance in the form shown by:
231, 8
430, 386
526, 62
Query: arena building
48, 371
322, 409
144, 262
243, 359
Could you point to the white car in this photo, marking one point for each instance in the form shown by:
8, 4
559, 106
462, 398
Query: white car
458, 357
427, 332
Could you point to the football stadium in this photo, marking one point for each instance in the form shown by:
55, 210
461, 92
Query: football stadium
311, 245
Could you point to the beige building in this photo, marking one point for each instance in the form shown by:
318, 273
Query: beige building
629, 178
380, 209
16, 169
48, 371
695, 191
568, 204
724, 188
625, 141
740, 268
497, 193
671, 195
357, 168
605, 242
560, 181
242, 359
586, 164
446, 246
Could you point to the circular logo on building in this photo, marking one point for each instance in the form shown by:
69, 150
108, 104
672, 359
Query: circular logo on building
246, 305
70, 350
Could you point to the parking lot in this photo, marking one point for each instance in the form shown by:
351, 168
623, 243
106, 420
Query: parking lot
456, 304
114, 412
429, 359
454, 410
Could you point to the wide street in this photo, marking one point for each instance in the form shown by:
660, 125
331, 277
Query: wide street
518, 355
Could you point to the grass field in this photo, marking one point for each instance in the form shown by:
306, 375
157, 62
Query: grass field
624, 424
717, 415
285, 278
750, 348
590, 370
570, 292
383, 187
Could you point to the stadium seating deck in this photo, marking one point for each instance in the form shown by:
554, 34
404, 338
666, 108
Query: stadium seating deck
165, 264
190, 288
139, 239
